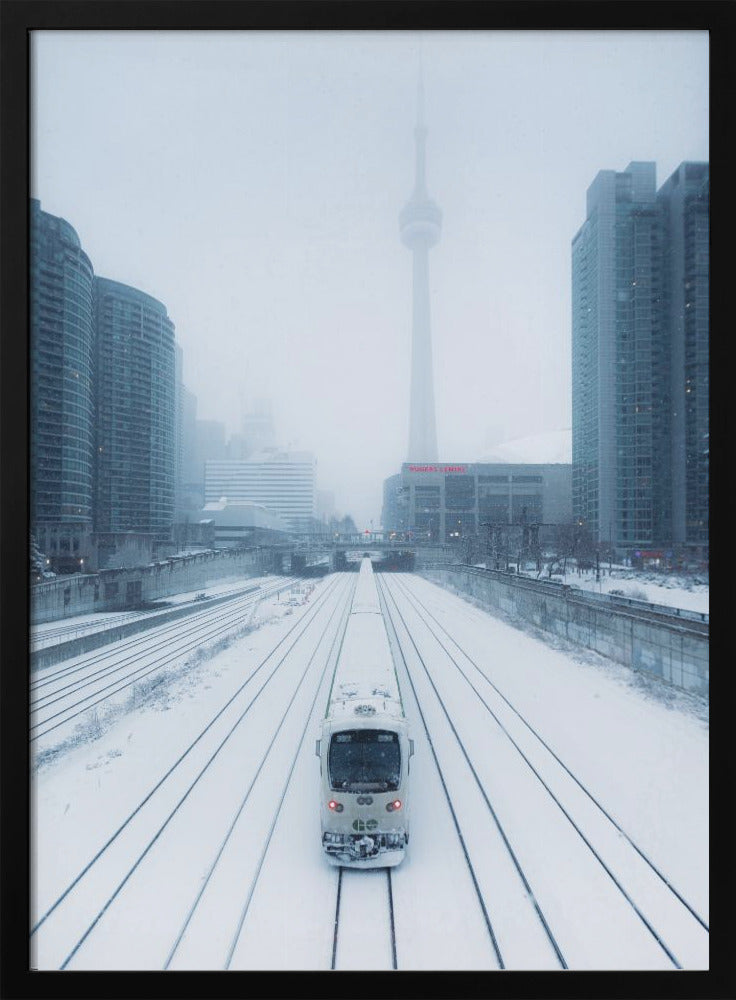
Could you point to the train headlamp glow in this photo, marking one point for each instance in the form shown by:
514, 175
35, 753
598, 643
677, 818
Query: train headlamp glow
335, 806
391, 806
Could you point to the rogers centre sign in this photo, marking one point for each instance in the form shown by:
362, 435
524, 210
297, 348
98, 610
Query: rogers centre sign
438, 468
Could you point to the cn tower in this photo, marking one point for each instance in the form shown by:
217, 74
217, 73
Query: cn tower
420, 223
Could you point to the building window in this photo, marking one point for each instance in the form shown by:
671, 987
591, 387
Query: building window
459, 492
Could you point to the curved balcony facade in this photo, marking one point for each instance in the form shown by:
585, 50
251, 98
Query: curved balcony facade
135, 412
62, 361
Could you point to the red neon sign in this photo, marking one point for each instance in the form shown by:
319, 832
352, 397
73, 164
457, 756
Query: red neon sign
438, 468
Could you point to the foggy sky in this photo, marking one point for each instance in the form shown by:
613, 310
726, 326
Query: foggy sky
251, 181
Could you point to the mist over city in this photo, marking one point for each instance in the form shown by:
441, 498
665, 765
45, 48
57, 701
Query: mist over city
252, 184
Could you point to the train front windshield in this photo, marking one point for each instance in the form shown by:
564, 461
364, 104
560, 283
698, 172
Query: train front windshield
365, 760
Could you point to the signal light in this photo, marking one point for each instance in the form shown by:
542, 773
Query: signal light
335, 806
391, 806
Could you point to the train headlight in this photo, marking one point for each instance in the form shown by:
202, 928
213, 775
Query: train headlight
335, 806
391, 806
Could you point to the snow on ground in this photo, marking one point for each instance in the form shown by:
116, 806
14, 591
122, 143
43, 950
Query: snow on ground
106, 771
690, 593
213, 590
46, 633
179, 677
80, 797
641, 746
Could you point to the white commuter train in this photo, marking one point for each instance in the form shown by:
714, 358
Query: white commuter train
364, 747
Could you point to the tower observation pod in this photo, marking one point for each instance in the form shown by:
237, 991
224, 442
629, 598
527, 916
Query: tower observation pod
420, 224
364, 747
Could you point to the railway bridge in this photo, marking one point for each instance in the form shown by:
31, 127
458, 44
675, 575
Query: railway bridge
317, 554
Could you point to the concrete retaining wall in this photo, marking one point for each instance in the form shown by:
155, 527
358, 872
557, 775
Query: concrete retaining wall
123, 589
56, 653
670, 650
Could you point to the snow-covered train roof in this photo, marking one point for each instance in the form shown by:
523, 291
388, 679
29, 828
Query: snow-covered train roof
365, 598
364, 711
365, 674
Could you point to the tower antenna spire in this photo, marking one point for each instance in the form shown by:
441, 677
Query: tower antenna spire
420, 135
420, 87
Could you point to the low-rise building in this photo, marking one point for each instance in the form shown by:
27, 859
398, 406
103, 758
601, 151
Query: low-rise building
447, 501
233, 524
281, 481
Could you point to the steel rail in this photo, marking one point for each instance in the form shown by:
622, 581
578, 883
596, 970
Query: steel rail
426, 613
471, 869
147, 798
176, 808
218, 627
341, 633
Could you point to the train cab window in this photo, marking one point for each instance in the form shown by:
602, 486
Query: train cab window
364, 760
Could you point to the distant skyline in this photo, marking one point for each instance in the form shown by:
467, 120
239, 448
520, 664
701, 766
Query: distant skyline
252, 182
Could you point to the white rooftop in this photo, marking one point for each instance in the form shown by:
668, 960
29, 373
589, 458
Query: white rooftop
547, 448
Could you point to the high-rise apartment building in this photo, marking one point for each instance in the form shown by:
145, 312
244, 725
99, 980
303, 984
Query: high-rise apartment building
629, 316
62, 360
136, 412
685, 202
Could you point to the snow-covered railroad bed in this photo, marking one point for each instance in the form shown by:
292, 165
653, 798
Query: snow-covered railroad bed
187, 834
71, 695
696, 621
64, 631
560, 882
364, 920
170, 885
50, 633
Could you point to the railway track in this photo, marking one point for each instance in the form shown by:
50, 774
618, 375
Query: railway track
110, 892
601, 840
330, 654
516, 861
364, 920
43, 635
62, 696
448, 642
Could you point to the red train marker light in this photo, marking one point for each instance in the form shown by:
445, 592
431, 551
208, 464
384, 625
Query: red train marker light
335, 806
391, 806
